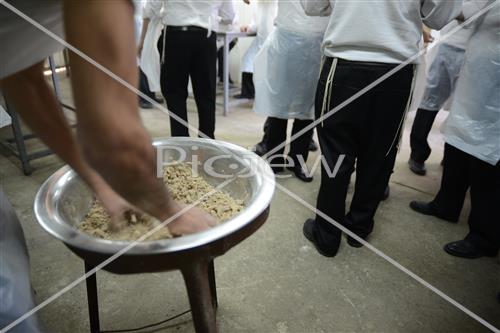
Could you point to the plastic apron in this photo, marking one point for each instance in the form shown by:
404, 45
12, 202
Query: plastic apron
286, 75
150, 57
473, 125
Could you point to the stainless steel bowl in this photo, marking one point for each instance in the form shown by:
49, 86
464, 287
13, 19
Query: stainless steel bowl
63, 200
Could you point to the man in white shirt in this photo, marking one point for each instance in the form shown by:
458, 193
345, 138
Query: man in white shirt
441, 80
188, 49
362, 43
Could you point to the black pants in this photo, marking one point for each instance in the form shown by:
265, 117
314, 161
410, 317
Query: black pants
247, 86
144, 86
220, 60
462, 171
366, 132
189, 54
276, 134
422, 125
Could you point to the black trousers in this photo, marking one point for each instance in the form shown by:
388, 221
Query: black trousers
189, 54
422, 125
462, 171
276, 134
365, 134
144, 86
220, 60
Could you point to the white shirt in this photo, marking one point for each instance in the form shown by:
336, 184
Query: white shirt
292, 17
200, 13
387, 31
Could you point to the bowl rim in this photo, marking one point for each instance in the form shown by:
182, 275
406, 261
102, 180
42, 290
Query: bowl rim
47, 195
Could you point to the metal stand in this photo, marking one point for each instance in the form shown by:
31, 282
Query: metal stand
17, 144
199, 277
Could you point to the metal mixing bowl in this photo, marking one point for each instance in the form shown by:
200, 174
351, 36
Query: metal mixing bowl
63, 200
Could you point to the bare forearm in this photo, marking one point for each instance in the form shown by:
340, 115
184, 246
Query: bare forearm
109, 127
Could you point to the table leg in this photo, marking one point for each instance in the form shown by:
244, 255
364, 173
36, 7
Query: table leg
196, 277
19, 139
55, 79
226, 74
92, 300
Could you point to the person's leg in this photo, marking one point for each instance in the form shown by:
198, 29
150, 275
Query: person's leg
144, 88
484, 217
379, 141
299, 149
437, 92
338, 139
175, 77
15, 286
420, 149
276, 136
203, 78
261, 147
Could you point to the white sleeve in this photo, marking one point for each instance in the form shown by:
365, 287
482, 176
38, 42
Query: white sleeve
471, 7
227, 12
152, 8
316, 7
438, 13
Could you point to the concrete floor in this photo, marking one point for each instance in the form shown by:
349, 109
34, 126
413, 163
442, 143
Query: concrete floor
275, 281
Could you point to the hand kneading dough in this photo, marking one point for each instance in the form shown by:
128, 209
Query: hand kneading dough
184, 187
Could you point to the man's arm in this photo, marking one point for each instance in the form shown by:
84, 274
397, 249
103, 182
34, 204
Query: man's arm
113, 139
35, 102
316, 7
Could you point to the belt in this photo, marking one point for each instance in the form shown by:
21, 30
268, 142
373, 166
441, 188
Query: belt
185, 28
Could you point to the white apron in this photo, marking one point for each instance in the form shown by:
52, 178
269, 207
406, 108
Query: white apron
286, 75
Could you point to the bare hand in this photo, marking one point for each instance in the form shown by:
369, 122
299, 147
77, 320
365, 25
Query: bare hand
246, 1
428, 37
115, 205
244, 28
191, 221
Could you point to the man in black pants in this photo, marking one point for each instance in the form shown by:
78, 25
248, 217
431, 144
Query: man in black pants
360, 48
188, 49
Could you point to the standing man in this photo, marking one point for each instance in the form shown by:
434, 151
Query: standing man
472, 145
441, 80
362, 43
263, 14
188, 49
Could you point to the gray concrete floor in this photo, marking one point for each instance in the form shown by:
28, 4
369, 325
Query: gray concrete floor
275, 281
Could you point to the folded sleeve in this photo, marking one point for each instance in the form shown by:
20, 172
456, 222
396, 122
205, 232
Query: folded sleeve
316, 7
438, 13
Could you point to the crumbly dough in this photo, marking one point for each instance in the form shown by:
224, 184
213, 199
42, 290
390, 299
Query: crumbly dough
184, 187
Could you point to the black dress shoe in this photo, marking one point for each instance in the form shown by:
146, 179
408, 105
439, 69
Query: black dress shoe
426, 208
387, 193
301, 174
241, 96
354, 243
313, 146
145, 105
277, 170
260, 149
465, 249
308, 231
417, 167
159, 99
